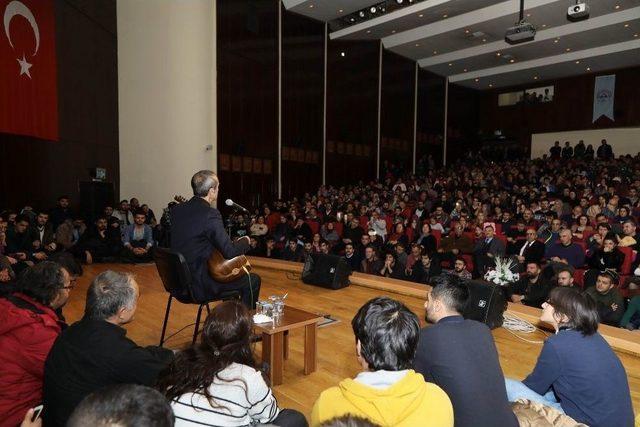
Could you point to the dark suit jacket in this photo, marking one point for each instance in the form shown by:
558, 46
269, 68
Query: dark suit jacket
90, 355
460, 356
495, 247
533, 253
196, 229
47, 238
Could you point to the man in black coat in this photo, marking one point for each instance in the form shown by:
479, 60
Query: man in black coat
529, 250
197, 229
95, 352
460, 356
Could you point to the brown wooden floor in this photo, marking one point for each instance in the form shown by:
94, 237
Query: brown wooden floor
336, 347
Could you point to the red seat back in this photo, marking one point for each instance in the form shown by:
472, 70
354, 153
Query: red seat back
629, 257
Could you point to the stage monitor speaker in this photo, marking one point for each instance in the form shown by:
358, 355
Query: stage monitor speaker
94, 196
487, 303
327, 271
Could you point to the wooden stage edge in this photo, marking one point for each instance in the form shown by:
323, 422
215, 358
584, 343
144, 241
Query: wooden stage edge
619, 339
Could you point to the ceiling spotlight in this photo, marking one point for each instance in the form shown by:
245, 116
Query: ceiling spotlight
484, 40
361, 14
435, 52
535, 77
450, 64
465, 70
445, 15
588, 68
467, 31
343, 54
511, 61
577, 62
568, 49
626, 25
477, 80
393, 31
617, 7
498, 54
578, 11
556, 40
373, 9
420, 16
635, 35
417, 44
368, 31
311, 6
544, 25
490, 84
340, 11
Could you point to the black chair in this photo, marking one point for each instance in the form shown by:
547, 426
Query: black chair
176, 278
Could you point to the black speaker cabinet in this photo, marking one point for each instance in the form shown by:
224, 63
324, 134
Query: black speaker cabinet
327, 271
487, 303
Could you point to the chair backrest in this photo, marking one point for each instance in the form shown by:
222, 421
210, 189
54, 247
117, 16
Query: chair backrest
628, 259
174, 273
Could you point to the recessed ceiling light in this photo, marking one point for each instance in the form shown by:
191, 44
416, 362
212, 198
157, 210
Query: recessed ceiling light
544, 25
393, 31
465, 70
311, 6
450, 64
484, 40
528, 15
635, 35
588, 68
626, 25
477, 80
368, 31
343, 54
535, 77
511, 61
617, 7
577, 62
445, 15
556, 40
568, 49
435, 52
340, 11
467, 31
498, 54
417, 44
420, 16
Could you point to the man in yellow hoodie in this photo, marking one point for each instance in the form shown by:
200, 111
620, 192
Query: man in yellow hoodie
388, 392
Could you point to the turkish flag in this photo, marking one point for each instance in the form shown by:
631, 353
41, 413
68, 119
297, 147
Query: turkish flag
28, 85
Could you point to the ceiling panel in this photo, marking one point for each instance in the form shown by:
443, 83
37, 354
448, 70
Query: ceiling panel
326, 10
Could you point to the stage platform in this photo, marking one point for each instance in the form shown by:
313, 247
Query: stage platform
336, 346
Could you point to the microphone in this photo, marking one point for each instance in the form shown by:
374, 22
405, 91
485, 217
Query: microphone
234, 205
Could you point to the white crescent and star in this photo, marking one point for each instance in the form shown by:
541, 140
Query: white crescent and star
17, 8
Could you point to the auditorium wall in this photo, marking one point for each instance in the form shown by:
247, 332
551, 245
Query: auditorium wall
167, 96
571, 108
35, 171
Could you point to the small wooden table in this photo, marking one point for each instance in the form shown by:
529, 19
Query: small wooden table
275, 341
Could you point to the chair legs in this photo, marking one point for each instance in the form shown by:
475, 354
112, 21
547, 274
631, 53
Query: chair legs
195, 331
166, 320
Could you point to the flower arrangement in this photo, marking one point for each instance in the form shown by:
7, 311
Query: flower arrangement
502, 274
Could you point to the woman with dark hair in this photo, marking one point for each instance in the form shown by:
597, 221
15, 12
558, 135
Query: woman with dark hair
426, 239
577, 373
608, 257
215, 382
581, 227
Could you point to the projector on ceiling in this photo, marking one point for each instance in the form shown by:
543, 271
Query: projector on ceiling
578, 12
520, 33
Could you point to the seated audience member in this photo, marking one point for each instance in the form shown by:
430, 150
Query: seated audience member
282, 230
352, 257
28, 327
530, 249
329, 233
301, 230
609, 302
581, 227
426, 270
608, 257
392, 267
564, 278
454, 245
631, 318
124, 214
215, 382
371, 264
270, 249
259, 228
532, 289
100, 244
61, 212
20, 246
388, 392
324, 247
460, 269
95, 352
550, 233
123, 405
255, 249
307, 251
42, 236
414, 256
352, 232
68, 233
629, 237
565, 251
138, 240
596, 241
485, 251
591, 388
293, 251
401, 254
516, 237
460, 356
150, 217
398, 236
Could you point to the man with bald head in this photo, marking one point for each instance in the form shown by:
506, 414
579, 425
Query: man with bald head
197, 229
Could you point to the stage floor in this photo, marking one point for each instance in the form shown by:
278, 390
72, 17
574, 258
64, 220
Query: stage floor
336, 346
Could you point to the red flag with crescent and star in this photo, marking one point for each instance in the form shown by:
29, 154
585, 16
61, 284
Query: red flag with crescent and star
28, 85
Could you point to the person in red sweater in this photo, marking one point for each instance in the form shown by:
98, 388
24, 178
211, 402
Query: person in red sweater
28, 327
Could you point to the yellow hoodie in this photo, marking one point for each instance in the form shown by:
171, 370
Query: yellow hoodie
410, 402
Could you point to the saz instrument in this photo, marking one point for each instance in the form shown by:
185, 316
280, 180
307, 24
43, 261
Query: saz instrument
220, 269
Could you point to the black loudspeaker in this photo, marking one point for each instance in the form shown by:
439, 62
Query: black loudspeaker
487, 303
327, 271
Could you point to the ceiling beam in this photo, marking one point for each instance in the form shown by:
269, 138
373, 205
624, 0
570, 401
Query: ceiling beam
387, 17
549, 60
464, 20
551, 33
